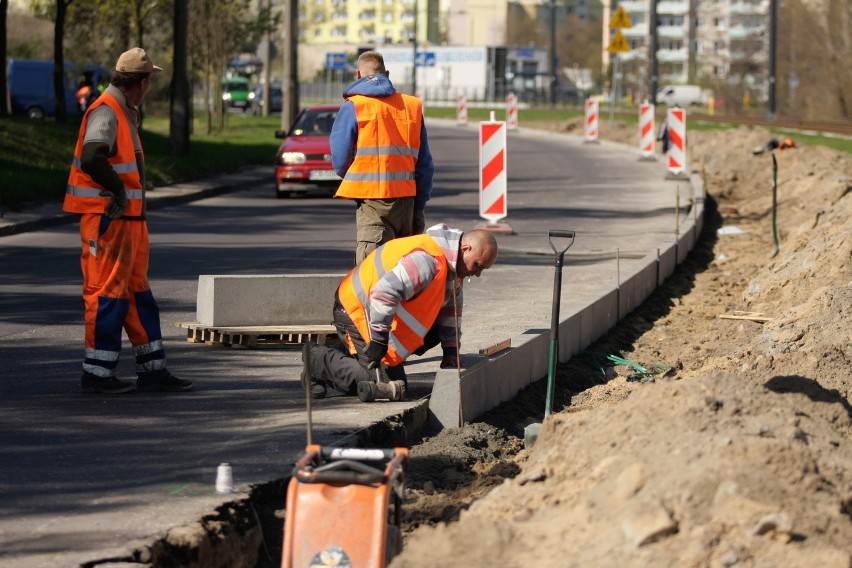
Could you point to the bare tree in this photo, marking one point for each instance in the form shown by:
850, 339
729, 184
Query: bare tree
4, 88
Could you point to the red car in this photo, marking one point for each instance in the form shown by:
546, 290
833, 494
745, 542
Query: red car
304, 159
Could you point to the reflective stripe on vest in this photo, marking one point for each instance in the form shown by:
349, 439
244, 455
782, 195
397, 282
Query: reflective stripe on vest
82, 194
413, 317
387, 148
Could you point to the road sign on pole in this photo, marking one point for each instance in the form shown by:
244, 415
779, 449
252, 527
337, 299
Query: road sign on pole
335, 61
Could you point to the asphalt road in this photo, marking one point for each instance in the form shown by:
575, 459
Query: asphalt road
91, 476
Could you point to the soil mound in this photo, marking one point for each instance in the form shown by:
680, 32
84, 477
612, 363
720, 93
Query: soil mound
736, 455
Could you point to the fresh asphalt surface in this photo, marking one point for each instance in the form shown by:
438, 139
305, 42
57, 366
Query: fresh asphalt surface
87, 477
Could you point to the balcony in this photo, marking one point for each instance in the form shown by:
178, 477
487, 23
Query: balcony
640, 31
672, 55
671, 32
749, 8
673, 8
634, 6
741, 32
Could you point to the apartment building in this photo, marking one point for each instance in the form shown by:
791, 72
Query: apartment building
377, 22
698, 39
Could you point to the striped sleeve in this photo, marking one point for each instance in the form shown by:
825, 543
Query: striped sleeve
411, 275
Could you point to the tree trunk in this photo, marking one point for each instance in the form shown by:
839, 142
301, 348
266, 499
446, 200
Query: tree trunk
180, 105
4, 87
59, 61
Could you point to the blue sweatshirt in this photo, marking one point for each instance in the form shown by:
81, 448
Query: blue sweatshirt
344, 136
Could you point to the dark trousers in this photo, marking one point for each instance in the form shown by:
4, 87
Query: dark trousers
337, 368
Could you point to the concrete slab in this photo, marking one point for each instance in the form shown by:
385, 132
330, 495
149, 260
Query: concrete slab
265, 299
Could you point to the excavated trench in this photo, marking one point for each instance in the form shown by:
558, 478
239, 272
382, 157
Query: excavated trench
447, 470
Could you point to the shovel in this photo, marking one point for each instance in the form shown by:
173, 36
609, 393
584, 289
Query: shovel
531, 431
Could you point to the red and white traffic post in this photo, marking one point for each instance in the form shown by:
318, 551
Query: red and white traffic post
461, 111
592, 114
676, 126
492, 175
511, 111
647, 135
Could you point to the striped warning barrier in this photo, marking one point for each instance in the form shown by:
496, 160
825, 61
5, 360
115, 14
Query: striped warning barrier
647, 138
461, 111
511, 111
591, 120
492, 170
676, 125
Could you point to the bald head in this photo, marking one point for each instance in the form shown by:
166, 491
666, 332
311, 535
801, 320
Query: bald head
478, 252
371, 63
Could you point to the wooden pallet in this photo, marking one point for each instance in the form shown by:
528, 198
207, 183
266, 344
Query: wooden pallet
249, 337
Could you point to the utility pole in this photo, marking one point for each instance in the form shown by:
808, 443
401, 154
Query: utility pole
554, 78
414, 61
290, 87
267, 58
652, 52
773, 44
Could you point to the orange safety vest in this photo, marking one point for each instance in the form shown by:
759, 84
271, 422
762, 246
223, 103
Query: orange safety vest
414, 317
82, 194
387, 148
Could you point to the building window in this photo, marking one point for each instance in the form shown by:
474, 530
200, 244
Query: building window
388, 17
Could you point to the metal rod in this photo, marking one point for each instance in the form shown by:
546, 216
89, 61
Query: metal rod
458, 354
774, 203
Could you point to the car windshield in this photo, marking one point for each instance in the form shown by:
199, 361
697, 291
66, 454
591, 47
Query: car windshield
228, 87
314, 123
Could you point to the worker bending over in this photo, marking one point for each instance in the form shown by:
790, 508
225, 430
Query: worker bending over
405, 298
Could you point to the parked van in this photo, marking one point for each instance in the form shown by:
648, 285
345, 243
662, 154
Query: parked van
682, 95
30, 85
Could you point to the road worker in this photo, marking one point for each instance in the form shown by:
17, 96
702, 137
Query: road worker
405, 298
380, 148
106, 187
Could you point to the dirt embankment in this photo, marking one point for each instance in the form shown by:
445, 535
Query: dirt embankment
740, 454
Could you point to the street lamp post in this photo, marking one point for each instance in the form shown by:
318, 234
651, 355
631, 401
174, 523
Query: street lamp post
554, 79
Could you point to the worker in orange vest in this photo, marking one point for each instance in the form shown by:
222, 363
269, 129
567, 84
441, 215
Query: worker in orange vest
106, 187
380, 148
404, 299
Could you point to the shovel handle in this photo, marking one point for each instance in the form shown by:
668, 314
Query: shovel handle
561, 234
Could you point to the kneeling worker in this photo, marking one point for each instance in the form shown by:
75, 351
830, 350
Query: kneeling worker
404, 298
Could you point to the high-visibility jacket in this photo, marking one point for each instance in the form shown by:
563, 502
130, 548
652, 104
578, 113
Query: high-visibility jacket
414, 317
387, 148
82, 192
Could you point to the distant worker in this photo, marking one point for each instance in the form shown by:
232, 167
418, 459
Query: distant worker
85, 95
404, 299
106, 188
380, 148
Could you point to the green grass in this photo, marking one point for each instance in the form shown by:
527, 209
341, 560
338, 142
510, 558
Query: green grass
35, 155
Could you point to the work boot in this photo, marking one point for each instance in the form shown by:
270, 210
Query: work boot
105, 385
161, 381
393, 391
318, 389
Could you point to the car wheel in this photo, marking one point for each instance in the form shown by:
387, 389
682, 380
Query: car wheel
281, 194
35, 112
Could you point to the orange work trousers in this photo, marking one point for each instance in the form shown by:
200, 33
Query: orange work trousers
117, 295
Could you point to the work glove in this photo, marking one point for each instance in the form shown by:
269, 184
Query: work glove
419, 222
374, 353
117, 203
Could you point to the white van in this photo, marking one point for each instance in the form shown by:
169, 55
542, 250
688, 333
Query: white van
682, 95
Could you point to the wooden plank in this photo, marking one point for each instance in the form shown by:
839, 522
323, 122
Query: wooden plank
496, 348
759, 317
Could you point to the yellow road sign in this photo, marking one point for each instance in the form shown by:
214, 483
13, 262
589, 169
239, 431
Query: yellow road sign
620, 19
618, 43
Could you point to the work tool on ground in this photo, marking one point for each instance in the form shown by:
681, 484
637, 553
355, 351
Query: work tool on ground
369, 391
344, 505
531, 431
